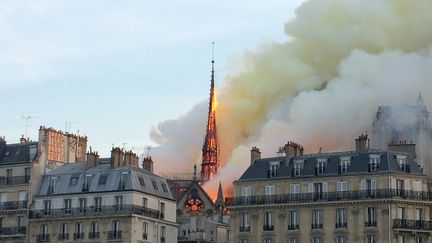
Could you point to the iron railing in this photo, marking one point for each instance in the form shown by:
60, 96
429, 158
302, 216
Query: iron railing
329, 197
244, 228
341, 225
112, 235
12, 230
409, 224
268, 227
94, 235
14, 180
95, 211
78, 236
42, 238
293, 227
13, 205
370, 224
317, 226
63, 236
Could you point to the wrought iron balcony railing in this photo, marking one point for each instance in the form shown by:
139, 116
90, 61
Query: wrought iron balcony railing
341, 225
409, 224
293, 227
144, 236
14, 180
112, 235
42, 238
329, 197
244, 228
94, 235
78, 236
13, 230
92, 211
370, 224
316, 226
63, 236
13, 205
268, 227
162, 239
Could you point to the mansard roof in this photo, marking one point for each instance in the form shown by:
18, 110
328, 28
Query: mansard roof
70, 179
18, 152
359, 164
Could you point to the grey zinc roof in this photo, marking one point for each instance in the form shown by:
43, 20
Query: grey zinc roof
359, 164
65, 173
18, 153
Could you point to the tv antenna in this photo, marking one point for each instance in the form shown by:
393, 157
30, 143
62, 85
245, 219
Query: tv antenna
27, 119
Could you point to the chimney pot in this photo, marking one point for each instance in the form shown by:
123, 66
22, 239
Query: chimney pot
255, 154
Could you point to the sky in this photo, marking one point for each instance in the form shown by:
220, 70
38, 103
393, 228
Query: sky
113, 69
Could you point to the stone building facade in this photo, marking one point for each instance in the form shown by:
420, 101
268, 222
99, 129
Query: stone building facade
354, 196
103, 200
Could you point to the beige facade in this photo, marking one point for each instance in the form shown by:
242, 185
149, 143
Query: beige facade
389, 203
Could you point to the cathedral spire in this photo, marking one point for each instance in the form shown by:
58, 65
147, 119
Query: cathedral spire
219, 199
420, 99
210, 150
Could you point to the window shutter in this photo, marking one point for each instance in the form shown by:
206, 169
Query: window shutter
393, 183
325, 186
310, 188
373, 184
363, 185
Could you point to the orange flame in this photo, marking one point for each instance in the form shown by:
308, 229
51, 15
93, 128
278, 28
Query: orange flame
214, 102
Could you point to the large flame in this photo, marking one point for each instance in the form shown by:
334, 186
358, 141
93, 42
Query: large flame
214, 102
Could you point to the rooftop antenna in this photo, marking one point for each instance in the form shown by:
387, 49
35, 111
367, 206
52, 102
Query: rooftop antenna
68, 125
27, 118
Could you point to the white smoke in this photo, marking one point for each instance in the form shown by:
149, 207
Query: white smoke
321, 88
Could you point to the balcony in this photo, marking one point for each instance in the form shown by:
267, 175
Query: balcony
114, 235
329, 197
14, 180
144, 236
162, 239
268, 227
94, 235
272, 173
370, 224
12, 231
244, 228
412, 225
92, 211
78, 236
63, 236
42, 238
340, 225
293, 227
316, 226
13, 205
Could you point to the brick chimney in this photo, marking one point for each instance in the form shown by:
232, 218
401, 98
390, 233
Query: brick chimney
255, 154
147, 163
92, 159
130, 158
362, 144
116, 157
292, 149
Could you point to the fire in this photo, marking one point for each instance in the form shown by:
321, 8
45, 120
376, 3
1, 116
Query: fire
214, 102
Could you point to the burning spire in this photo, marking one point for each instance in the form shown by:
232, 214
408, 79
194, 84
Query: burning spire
210, 150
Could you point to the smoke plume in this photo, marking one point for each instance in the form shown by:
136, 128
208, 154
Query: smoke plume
320, 88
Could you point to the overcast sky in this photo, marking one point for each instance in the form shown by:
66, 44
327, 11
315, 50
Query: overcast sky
116, 68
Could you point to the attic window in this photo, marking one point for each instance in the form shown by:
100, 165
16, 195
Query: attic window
73, 181
374, 161
164, 187
122, 182
52, 185
102, 179
141, 180
7, 153
402, 162
87, 181
154, 185
320, 166
273, 170
298, 166
344, 164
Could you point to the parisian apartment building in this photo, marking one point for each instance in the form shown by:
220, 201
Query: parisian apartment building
367, 195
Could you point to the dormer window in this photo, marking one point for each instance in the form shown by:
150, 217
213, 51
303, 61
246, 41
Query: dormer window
273, 170
344, 164
320, 166
122, 182
298, 167
86, 185
402, 162
374, 161
52, 185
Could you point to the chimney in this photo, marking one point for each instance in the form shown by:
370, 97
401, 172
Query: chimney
147, 163
255, 154
23, 139
134, 159
404, 147
92, 159
362, 144
292, 149
116, 157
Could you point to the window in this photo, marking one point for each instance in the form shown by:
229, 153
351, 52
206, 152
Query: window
3, 198
246, 194
94, 230
341, 239
370, 239
64, 234
269, 193
87, 181
370, 214
344, 164
79, 232
19, 221
102, 179
115, 230
419, 215
47, 206
341, 188
163, 233
341, 221
52, 185
268, 241
118, 202
145, 231
320, 166
273, 170
368, 188
244, 241
123, 180
27, 174
293, 220
162, 210
73, 181
82, 204
374, 161
44, 233
317, 219
244, 222
22, 198
268, 221
145, 202
9, 173
402, 162
298, 166
401, 212
318, 190
164, 187
293, 240
402, 239
67, 203
419, 239
97, 203
154, 185
317, 240
141, 181
295, 192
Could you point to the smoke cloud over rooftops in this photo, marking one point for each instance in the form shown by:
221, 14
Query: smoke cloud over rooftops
320, 88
